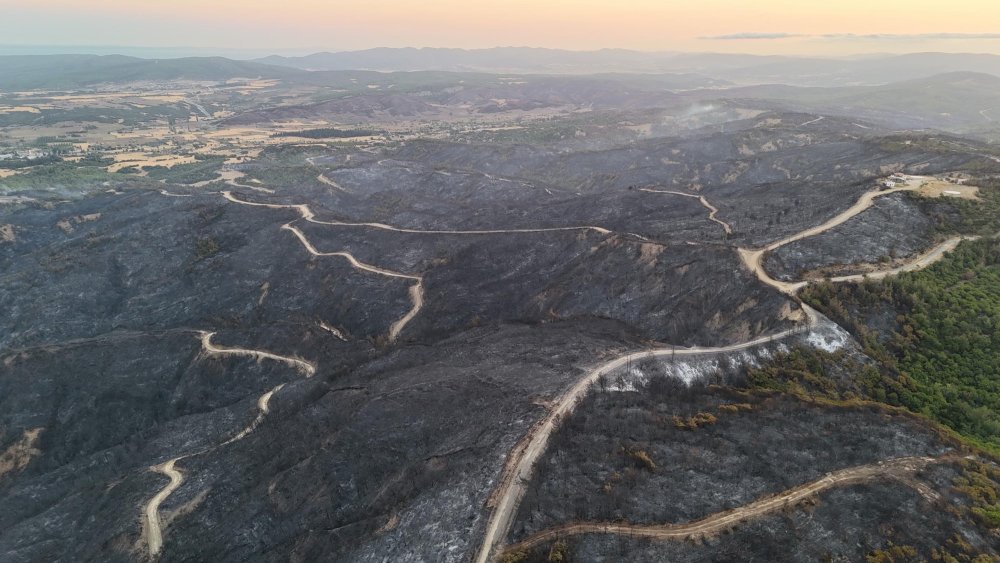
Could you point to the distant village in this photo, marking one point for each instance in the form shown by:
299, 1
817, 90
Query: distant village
26, 154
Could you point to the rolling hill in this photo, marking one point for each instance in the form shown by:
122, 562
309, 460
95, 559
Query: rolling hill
46, 72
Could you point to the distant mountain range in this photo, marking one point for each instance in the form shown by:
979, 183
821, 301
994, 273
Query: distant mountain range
658, 71
743, 69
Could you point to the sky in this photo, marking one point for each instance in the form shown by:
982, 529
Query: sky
257, 27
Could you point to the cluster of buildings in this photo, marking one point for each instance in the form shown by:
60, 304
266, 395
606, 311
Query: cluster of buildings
893, 181
25, 154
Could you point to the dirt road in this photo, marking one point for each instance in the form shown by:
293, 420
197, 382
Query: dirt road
323, 179
712, 210
520, 466
263, 408
354, 262
900, 468
417, 298
416, 290
918, 263
303, 366
153, 528
753, 258
153, 525
168, 194
864, 202
309, 216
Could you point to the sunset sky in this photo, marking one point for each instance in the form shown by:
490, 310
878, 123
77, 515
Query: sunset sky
803, 27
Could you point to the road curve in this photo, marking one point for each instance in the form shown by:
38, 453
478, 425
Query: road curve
153, 524
521, 464
154, 534
519, 468
753, 258
900, 468
866, 200
920, 262
303, 366
346, 255
712, 210
417, 298
817, 120
416, 290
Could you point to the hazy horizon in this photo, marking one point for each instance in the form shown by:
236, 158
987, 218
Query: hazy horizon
181, 51
769, 27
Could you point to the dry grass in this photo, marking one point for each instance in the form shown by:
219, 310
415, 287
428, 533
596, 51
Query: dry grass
650, 253
937, 188
18, 109
15, 458
143, 160
7, 233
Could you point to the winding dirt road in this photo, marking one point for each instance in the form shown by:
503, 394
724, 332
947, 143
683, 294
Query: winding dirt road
866, 200
712, 210
753, 258
308, 215
521, 464
354, 262
519, 467
920, 262
303, 366
416, 290
417, 298
900, 468
153, 528
153, 525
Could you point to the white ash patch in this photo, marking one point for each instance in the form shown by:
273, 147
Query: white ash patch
627, 381
828, 338
685, 368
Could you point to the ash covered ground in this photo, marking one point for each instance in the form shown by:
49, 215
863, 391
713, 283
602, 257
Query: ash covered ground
390, 449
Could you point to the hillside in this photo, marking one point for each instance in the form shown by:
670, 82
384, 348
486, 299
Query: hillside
463, 317
955, 101
53, 72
